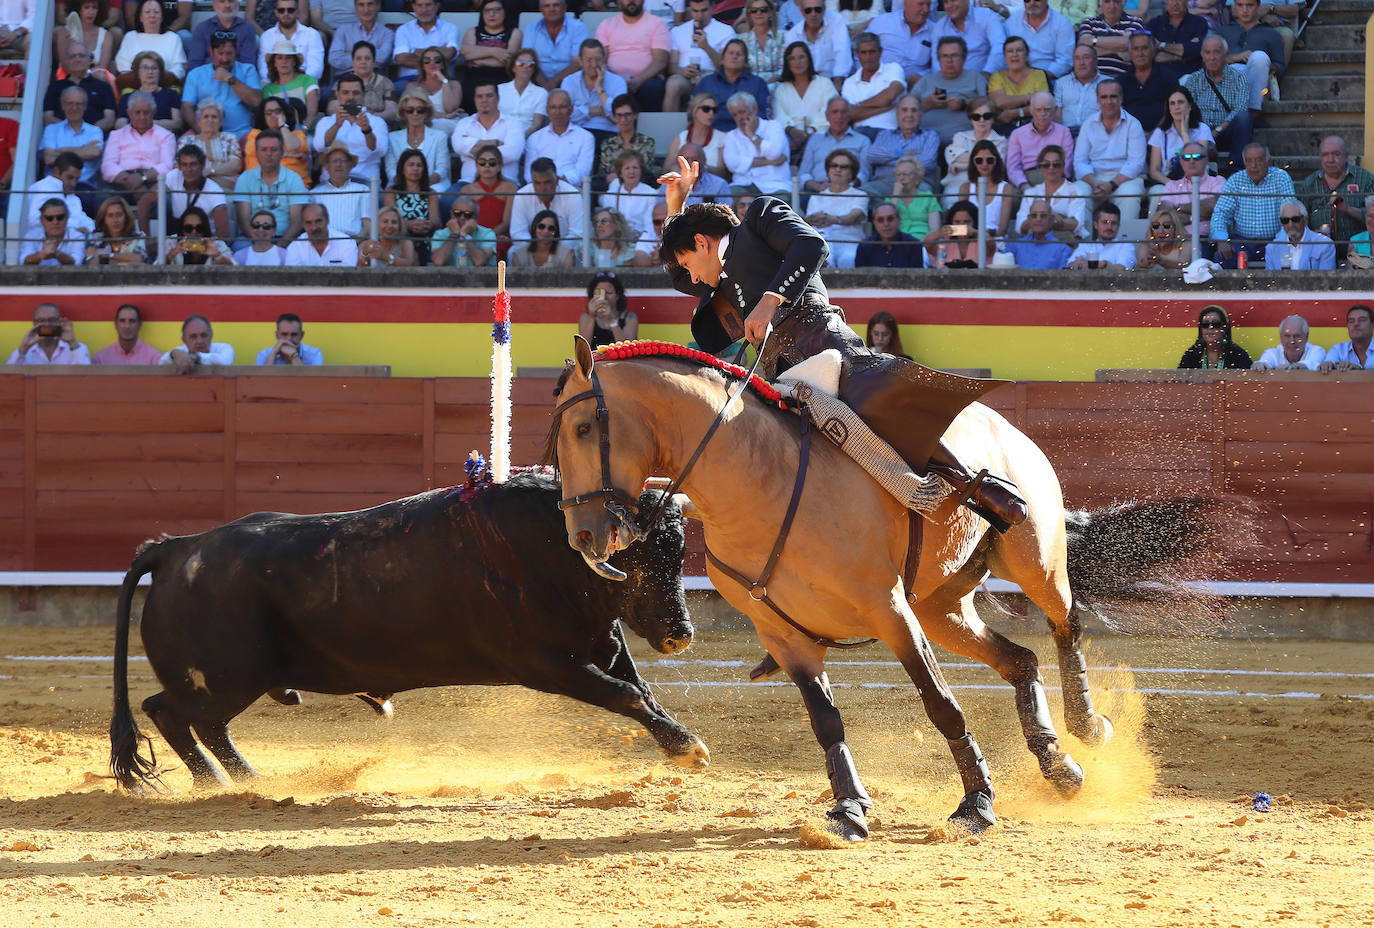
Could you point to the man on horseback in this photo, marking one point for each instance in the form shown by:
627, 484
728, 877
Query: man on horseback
766, 270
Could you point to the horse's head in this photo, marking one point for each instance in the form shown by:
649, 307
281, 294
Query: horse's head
603, 449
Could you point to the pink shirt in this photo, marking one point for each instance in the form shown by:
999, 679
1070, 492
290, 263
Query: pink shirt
127, 150
143, 353
1024, 147
630, 46
1178, 192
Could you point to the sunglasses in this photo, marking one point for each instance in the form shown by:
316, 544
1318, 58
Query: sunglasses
408, 109
840, 166
762, 10
222, 35
1291, 220
984, 160
979, 116
1051, 164
1213, 325
1193, 156
54, 218
462, 214
432, 59
708, 108
488, 163
263, 226
813, 9
286, 9
1159, 226
192, 230
546, 227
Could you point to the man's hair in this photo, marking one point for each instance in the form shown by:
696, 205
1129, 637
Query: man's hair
714, 220
1217, 37
1302, 325
1293, 201
123, 306
264, 212
65, 162
290, 317
268, 134
543, 166
1111, 80
591, 43
349, 78
1107, 207
191, 151
1357, 308
74, 91
865, 37
320, 206
742, 98
1258, 146
952, 40
144, 98
192, 318
55, 201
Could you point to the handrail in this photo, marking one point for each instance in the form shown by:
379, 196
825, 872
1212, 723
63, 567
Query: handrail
37, 72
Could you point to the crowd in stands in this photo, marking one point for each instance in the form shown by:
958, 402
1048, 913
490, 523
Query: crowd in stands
309, 133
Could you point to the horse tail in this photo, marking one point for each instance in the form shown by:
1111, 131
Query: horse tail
1139, 565
131, 769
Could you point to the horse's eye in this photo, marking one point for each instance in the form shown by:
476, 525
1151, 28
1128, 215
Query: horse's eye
584, 429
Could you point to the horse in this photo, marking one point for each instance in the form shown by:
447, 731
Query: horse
843, 569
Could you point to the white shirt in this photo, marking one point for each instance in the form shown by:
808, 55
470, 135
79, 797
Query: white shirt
469, 131
48, 188
1071, 199
209, 198
307, 41
16, 14
272, 257
571, 152
62, 354
1122, 253
1077, 101
73, 245
686, 52
340, 252
567, 203
831, 51
347, 205
740, 152
219, 353
637, 206
522, 107
411, 38
1312, 357
857, 90
369, 159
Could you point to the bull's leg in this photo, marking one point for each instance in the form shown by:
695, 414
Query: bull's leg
622, 667
177, 732
215, 736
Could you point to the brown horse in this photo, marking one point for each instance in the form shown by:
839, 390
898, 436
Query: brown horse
840, 573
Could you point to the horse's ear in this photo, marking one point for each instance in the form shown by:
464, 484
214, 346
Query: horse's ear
688, 508
582, 350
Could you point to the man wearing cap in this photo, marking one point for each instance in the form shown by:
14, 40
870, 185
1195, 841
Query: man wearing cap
346, 199
225, 20
231, 83
289, 29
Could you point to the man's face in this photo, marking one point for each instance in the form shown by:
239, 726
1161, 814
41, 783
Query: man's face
1111, 10
223, 55
73, 107
77, 60
734, 57
870, 56
632, 8
1213, 58
127, 325
426, 11
1040, 219
290, 331
813, 14
1247, 12
47, 314
956, 9
837, 115
1333, 154
746, 118
1106, 225
197, 336
1084, 62
700, 11
485, 99
560, 110
1256, 164
1293, 221
286, 12
226, 9
1358, 326
1109, 99
917, 12
1042, 113
262, 227
338, 165
269, 153
1142, 51
348, 92
702, 262
1194, 161
69, 178
553, 11
141, 116
885, 222
1176, 8
190, 167
593, 61
366, 9
544, 184
951, 60
909, 114
1294, 341
316, 226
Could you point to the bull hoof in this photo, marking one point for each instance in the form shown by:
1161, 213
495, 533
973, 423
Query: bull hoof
1096, 732
697, 756
766, 669
1064, 774
975, 814
380, 703
847, 821
287, 697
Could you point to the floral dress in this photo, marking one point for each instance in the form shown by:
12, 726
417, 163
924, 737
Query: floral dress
415, 205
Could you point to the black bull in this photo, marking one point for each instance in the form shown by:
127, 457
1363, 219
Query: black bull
455, 586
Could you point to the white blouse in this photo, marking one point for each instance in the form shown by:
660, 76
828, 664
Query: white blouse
522, 107
838, 204
167, 45
806, 113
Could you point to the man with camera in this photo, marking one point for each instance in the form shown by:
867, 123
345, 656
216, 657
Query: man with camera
354, 126
52, 340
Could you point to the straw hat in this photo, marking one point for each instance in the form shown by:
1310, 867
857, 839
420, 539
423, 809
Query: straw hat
340, 147
285, 47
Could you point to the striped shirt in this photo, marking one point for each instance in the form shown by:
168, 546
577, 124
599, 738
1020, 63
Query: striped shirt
1248, 210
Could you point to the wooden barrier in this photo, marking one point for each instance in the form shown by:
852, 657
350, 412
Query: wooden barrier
90, 466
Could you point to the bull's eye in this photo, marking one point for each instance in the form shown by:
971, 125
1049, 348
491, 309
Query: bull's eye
584, 429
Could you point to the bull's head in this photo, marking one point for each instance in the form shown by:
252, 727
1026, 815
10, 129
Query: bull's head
653, 603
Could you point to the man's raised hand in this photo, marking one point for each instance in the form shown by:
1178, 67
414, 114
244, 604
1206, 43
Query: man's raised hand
677, 185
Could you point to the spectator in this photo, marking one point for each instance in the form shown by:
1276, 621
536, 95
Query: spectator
492, 192
1353, 355
60, 183
627, 137
462, 242
631, 197
1256, 47
152, 35
1361, 255
1166, 245
285, 79
223, 161
151, 77
16, 26
982, 32
117, 239
696, 51
72, 135
839, 134
1145, 86
732, 77
1109, 32
839, 210
317, 248
197, 347
1182, 123
52, 340
763, 40
176, 12
907, 140
262, 249
261, 13
289, 348
756, 150
418, 133
593, 88
328, 15
1011, 88
740, 204
946, 94
957, 152
889, 247
1214, 349
100, 99
445, 96
417, 202
137, 154
954, 245
1297, 247
1068, 199
1038, 248
884, 335
366, 28
390, 247
801, 96
1048, 34
1222, 92
86, 22
1293, 352
226, 19
546, 191
278, 115
637, 48
1104, 251
1179, 193
614, 242
379, 94
489, 46
917, 209
188, 186
545, 247
873, 89
556, 38
1338, 191
289, 28
523, 97
1246, 216
197, 244
1180, 36
347, 200
1025, 144
997, 210
827, 37
1110, 154
700, 131
485, 127
269, 186
232, 84
1075, 94
907, 35
355, 127
127, 348
569, 147
710, 187
607, 318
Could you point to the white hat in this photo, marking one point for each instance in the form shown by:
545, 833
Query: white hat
284, 47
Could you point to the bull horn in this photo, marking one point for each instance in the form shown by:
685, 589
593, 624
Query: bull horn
688, 508
605, 569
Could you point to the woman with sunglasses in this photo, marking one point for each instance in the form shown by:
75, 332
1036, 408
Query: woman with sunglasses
286, 79
1068, 199
445, 96
955, 244
981, 113
839, 212
763, 40
614, 241
379, 93
544, 249
1001, 193
489, 47
390, 247
416, 200
196, 244
701, 130
276, 113
150, 72
223, 158
1167, 245
607, 318
419, 133
491, 191
522, 96
116, 239
801, 95
150, 35
1182, 123
1011, 88
1214, 349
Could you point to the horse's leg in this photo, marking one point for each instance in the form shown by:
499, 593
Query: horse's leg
215, 736
804, 662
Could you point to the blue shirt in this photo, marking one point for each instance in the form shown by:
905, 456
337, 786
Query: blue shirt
1345, 352
201, 85
1048, 255
710, 187
245, 41
273, 197
60, 135
583, 99
819, 147
902, 251
881, 157
309, 355
1051, 45
346, 36
717, 86
914, 53
555, 54
482, 237
983, 33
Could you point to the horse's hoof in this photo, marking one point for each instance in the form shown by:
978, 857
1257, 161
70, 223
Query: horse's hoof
1064, 774
975, 814
1096, 732
696, 756
764, 670
847, 821
285, 696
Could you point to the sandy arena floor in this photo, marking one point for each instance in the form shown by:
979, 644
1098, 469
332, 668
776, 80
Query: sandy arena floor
502, 807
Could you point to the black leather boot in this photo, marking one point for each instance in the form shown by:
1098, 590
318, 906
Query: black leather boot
992, 497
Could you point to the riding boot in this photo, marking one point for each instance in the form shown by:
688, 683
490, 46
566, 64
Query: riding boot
992, 497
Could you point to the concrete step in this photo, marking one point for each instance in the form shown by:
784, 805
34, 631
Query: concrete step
1298, 166
1328, 36
1292, 141
1348, 58
1348, 12
1349, 88
1291, 105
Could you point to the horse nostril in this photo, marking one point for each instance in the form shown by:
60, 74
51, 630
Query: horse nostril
584, 537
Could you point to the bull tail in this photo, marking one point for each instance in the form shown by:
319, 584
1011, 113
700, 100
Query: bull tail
131, 769
1139, 565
